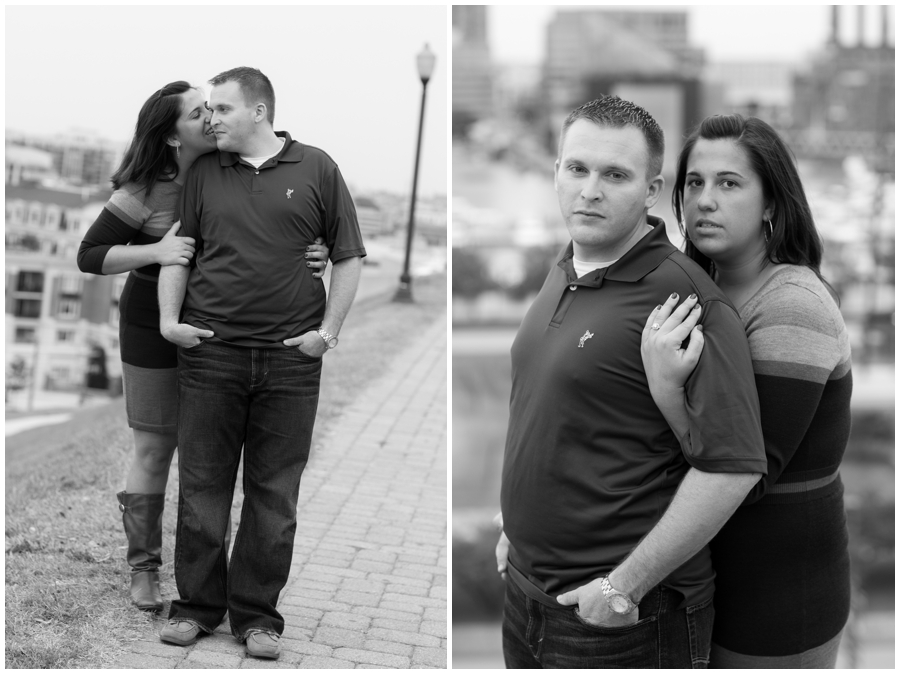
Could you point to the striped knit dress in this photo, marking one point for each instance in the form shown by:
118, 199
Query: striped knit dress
782, 563
148, 361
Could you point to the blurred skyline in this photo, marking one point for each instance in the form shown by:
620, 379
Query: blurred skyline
345, 78
517, 33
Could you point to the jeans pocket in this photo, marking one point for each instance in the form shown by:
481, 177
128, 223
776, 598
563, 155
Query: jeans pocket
191, 348
305, 356
700, 627
612, 631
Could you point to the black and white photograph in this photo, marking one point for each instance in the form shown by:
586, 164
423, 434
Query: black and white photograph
672, 327
226, 337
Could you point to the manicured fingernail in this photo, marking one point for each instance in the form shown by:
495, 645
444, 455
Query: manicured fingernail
692, 296
673, 296
308, 264
700, 328
308, 247
658, 307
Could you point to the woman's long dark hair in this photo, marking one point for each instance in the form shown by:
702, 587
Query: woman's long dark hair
794, 238
149, 159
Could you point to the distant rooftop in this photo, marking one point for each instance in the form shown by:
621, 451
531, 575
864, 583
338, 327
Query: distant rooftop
66, 198
366, 202
28, 156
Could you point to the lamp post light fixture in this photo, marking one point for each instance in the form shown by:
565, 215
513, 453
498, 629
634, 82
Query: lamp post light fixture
425, 64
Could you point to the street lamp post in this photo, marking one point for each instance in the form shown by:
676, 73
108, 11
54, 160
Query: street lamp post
425, 64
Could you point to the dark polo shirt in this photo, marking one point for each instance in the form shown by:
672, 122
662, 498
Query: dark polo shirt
249, 282
591, 464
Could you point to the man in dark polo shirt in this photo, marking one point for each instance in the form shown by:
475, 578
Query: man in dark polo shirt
254, 328
603, 507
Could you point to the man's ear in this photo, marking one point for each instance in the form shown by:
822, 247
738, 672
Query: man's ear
654, 191
261, 113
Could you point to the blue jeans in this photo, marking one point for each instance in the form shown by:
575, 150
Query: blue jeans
263, 400
537, 636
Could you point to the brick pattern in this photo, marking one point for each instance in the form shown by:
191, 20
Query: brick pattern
368, 583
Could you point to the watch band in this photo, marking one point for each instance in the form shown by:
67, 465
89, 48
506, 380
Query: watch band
330, 340
619, 602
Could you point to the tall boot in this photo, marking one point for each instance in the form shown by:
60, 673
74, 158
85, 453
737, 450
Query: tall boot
142, 517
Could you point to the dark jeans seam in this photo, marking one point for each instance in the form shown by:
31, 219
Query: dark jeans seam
697, 660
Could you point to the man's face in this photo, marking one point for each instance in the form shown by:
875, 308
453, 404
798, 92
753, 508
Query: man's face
233, 120
603, 188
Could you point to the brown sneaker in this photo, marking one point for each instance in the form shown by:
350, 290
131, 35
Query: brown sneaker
180, 632
262, 644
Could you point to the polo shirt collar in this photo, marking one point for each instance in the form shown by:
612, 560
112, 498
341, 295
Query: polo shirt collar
645, 256
291, 152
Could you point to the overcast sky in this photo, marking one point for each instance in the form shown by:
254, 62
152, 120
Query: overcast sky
727, 32
345, 78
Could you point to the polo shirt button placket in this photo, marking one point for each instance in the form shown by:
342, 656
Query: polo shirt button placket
572, 287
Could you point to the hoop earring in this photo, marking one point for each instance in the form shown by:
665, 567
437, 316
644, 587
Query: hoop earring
771, 231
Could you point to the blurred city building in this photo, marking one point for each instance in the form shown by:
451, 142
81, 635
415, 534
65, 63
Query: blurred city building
750, 88
79, 157
472, 79
27, 165
843, 100
55, 315
372, 220
641, 56
431, 219
386, 214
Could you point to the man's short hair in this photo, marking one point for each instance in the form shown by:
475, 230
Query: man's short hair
255, 87
614, 112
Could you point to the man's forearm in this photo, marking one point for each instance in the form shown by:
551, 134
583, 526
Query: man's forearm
702, 504
172, 286
344, 282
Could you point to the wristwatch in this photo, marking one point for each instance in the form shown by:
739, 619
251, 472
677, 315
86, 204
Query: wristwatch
619, 602
330, 340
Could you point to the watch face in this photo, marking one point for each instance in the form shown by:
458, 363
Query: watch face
618, 603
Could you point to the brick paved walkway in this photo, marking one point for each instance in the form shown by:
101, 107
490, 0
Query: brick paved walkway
368, 584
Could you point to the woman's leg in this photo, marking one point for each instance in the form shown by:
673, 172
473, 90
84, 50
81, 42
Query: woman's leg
142, 505
149, 469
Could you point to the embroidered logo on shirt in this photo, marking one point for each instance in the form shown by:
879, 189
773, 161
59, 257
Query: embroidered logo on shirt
586, 336
289, 192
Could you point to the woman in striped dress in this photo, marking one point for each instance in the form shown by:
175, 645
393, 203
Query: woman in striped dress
782, 562
135, 233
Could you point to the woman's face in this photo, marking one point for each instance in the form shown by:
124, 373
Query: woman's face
724, 202
192, 128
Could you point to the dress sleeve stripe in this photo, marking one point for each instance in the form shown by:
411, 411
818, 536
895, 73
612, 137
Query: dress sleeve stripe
128, 208
796, 344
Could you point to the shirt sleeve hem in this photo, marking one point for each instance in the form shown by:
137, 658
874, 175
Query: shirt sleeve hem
728, 465
344, 254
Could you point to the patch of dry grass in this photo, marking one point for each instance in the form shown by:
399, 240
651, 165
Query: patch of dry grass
65, 570
67, 603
